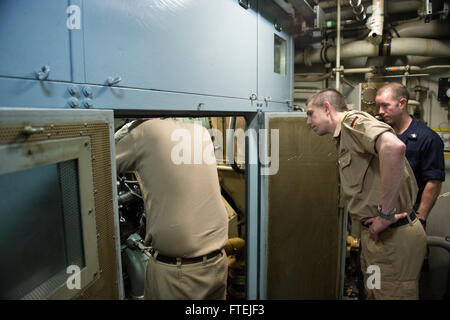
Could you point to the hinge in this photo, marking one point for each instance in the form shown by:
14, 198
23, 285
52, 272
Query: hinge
260, 114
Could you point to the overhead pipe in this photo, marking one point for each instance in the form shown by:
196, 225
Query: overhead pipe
435, 29
420, 60
314, 78
389, 47
327, 4
359, 70
391, 7
323, 76
306, 90
414, 102
415, 68
338, 51
376, 22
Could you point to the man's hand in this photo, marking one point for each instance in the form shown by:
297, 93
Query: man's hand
378, 224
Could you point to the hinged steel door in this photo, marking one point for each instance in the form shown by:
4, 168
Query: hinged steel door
301, 223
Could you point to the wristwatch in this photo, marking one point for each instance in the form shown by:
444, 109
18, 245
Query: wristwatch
387, 216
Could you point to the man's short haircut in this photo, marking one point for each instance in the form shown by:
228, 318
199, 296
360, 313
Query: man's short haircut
334, 98
398, 90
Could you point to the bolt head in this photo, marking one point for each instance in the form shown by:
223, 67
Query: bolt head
73, 91
87, 91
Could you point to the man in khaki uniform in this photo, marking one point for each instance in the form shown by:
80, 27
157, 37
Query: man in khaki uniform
380, 188
187, 223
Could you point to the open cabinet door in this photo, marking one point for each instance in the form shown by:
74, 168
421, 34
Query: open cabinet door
302, 222
59, 234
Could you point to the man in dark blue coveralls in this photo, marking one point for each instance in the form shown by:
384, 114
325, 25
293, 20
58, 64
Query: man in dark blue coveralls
424, 147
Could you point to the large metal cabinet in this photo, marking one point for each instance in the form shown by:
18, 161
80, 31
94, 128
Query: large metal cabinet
197, 55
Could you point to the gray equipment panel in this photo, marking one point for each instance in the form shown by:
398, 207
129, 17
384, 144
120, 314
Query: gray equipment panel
275, 54
34, 34
206, 47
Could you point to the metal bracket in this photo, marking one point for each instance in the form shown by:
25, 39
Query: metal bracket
266, 101
290, 105
44, 73
113, 81
278, 27
244, 4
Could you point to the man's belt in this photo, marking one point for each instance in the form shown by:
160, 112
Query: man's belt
400, 222
403, 221
172, 260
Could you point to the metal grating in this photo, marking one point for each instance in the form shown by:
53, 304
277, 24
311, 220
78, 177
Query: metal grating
68, 179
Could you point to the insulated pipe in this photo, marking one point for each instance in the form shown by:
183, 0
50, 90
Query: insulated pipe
306, 90
376, 22
359, 70
397, 6
323, 76
439, 242
414, 103
415, 68
315, 78
338, 51
363, 48
434, 29
401, 68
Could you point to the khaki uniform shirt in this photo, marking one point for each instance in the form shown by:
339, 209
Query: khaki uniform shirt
185, 213
359, 168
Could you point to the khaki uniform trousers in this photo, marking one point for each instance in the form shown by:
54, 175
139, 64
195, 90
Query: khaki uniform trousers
399, 254
206, 280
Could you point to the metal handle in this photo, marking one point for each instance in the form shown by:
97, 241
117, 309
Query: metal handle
44, 73
113, 81
29, 130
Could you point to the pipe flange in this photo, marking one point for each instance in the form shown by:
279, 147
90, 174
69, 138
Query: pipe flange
307, 57
323, 53
368, 95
